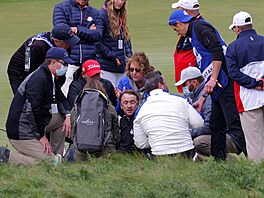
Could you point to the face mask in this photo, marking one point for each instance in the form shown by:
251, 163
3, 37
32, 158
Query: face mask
186, 91
62, 71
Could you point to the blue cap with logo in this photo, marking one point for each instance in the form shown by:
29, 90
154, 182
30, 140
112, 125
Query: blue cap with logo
179, 16
63, 32
59, 54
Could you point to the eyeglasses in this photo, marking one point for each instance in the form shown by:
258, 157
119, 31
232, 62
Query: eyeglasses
137, 70
63, 63
234, 28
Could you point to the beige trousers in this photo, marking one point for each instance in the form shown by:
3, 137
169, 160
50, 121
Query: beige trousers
29, 152
202, 145
253, 126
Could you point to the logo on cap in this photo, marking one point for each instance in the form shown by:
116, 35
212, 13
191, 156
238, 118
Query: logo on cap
93, 66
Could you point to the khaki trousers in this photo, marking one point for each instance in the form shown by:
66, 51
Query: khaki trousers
253, 126
29, 152
202, 145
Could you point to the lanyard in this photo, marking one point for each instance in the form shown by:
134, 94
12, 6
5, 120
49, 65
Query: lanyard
120, 26
53, 89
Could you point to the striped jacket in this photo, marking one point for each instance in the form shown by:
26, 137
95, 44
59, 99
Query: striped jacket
245, 63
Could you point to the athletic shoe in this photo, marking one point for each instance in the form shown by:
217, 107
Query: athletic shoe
57, 160
3, 152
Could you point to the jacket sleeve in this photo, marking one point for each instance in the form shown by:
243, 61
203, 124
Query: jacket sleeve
59, 15
208, 37
235, 73
114, 124
91, 35
121, 84
37, 56
128, 49
206, 113
140, 137
195, 119
74, 90
105, 50
111, 93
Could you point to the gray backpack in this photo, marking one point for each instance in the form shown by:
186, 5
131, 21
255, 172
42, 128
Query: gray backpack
91, 111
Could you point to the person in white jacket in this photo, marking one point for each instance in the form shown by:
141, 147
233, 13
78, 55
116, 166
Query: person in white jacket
163, 122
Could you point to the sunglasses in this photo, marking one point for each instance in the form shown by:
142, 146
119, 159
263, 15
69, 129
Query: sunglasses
134, 69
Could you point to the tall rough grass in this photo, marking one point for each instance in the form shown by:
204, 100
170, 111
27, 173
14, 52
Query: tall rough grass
134, 176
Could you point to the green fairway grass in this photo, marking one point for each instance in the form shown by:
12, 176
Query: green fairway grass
150, 32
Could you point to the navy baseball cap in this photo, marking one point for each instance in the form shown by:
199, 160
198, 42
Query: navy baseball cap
63, 32
179, 16
59, 54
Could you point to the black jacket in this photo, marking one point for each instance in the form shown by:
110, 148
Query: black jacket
29, 112
127, 141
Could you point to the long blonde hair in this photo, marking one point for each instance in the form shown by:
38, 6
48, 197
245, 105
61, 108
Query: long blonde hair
114, 17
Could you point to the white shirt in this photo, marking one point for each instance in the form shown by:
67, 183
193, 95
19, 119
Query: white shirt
163, 124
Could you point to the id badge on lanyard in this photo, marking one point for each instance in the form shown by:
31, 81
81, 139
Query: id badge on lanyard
54, 106
120, 44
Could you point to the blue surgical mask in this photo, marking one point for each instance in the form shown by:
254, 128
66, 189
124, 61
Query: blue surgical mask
62, 71
186, 91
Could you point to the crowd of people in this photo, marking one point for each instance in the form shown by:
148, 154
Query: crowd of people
89, 51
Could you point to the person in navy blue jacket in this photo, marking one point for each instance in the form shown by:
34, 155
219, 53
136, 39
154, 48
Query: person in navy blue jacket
85, 22
115, 47
245, 63
39, 107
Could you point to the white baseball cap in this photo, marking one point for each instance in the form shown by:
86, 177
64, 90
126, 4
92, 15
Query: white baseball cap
187, 4
187, 74
240, 19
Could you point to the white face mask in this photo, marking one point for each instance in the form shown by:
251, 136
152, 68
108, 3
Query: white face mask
62, 71
186, 91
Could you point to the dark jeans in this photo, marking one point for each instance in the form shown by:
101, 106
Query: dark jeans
225, 116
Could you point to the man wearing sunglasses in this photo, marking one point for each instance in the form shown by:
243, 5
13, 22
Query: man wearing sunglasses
39, 107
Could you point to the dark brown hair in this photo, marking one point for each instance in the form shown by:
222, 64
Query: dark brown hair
129, 92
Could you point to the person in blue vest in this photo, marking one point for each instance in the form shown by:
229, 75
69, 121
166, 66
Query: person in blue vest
32, 53
209, 49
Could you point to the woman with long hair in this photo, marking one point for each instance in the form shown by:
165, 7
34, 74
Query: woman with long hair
137, 67
111, 127
115, 46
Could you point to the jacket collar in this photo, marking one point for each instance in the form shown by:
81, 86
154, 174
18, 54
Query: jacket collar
247, 33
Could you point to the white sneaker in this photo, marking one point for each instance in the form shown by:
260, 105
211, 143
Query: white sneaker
57, 160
